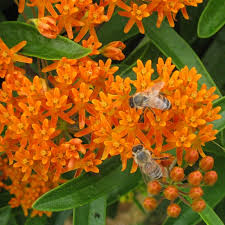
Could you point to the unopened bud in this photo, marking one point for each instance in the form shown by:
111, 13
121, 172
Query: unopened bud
113, 50
173, 210
150, 203
196, 192
195, 178
154, 187
206, 163
198, 205
47, 27
171, 193
210, 178
177, 174
191, 156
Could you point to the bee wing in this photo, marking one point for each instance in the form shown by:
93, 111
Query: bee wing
155, 89
146, 178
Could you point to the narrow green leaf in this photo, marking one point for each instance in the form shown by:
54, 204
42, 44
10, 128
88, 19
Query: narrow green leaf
187, 28
110, 182
5, 215
37, 220
172, 45
220, 124
12, 220
213, 59
212, 195
215, 148
93, 213
212, 18
39, 46
58, 218
210, 217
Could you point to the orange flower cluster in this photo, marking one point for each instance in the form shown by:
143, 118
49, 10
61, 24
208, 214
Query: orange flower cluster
81, 116
86, 15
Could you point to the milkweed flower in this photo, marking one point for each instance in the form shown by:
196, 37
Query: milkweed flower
136, 14
9, 56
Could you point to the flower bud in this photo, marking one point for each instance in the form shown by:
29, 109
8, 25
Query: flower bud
210, 178
150, 203
198, 205
191, 156
47, 27
171, 193
173, 210
196, 192
113, 50
206, 163
154, 187
177, 174
195, 178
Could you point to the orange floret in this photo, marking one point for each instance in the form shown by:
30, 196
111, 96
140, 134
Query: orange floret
9, 56
136, 14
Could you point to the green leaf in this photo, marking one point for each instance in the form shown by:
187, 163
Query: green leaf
220, 124
39, 46
215, 148
210, 217
5, 197
212, 18
4, 215
213, 60
212, 195
172, 45
110, 182
58, 218
37, 220
93, 213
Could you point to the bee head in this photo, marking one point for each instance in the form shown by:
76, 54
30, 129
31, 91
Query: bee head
137, 148
131, 102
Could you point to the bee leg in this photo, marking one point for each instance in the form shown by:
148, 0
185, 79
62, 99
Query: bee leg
172, 164
152, 112
141, 119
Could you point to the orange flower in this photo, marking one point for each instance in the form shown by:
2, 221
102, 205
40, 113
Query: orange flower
94, 16
92, 44
144, 74
32, 109
81, 98
113, 50
114, 145
194, 119
9, 56
136, 14
45, 132
67, 18
56, 105
170, 8
24, 160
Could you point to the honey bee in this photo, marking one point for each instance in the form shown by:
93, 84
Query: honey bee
150, 169
150, 98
